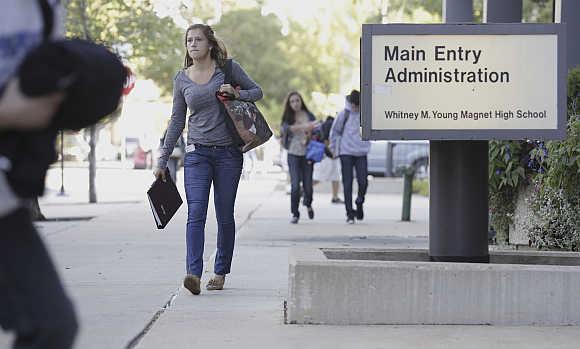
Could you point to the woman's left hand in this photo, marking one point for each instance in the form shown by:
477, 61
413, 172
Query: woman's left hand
227, 88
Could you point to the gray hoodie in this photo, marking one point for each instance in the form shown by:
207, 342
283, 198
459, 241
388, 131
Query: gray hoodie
349, 138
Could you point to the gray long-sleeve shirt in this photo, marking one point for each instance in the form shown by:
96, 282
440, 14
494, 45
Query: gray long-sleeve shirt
206, 123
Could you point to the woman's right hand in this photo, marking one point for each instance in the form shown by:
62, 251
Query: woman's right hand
160, 174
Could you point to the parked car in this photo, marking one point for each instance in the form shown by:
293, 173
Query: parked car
142, 159
388, 158
131, 144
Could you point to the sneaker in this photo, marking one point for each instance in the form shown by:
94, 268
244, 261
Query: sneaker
294, 220
337, 200
310, 212
350, 220
191, 282
216, 283
359, 212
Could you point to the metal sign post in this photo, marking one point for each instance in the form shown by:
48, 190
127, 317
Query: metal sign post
460, 85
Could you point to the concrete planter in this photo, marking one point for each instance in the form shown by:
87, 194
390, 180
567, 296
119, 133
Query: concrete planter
352, 287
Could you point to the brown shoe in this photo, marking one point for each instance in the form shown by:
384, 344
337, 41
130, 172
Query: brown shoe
191, 282
216, 283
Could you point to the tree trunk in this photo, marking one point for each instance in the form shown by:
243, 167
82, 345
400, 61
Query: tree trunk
34, 209
93, 129
92, 165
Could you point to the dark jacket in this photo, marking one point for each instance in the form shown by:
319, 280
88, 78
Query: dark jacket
30, 154
92, 77
326, 127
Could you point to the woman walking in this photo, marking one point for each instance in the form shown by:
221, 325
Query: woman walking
297, 125
212, 155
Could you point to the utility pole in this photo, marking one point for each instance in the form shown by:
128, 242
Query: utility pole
61, 193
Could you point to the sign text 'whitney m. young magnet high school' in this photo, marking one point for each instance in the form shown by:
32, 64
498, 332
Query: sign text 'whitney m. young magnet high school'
463, 81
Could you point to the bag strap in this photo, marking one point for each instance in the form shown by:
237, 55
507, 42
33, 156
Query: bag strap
346, 115
227, 69
47, 18
228, 72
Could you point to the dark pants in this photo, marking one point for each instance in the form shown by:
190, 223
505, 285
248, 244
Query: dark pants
33, 302
348, 163
300, 172
223, 168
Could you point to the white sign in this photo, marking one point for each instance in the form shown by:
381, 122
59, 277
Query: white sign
464, 82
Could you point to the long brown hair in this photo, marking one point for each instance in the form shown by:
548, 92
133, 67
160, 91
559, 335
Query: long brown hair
289, 115
219, 53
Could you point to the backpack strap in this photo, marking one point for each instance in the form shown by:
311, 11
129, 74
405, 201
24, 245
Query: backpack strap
47, 18
346, 115
227, 69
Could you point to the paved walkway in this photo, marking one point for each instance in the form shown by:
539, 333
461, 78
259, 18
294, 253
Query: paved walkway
125, 276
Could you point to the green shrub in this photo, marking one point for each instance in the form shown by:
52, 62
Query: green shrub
507, 171
421, 187
554, 167
556, 205
555, 222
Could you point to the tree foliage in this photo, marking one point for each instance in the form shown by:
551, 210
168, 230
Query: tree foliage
409, 6
276, 62
207, 12
132, 29
254, 41
538, 11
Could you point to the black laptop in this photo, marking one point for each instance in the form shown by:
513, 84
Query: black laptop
164, 200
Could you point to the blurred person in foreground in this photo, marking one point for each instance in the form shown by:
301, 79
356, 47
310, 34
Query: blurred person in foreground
44, 82
212, 153
346, 143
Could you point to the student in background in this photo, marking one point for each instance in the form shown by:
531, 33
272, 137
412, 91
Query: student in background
347, 144
297, 125
328, 170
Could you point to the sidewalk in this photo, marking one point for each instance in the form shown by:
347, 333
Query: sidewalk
125, 276
249, 313
117, 267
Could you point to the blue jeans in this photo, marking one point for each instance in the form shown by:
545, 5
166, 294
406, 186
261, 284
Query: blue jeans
300, 172
359, 163
223, 167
